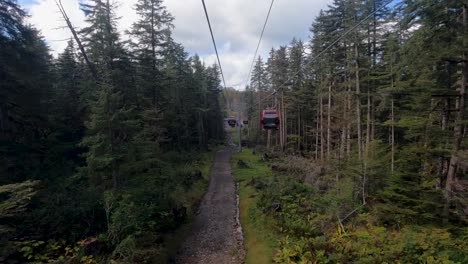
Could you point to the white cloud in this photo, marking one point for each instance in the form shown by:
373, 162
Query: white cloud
236, 25
46, 16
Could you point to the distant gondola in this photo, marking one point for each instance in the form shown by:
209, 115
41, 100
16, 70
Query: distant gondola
232, 121
270, 119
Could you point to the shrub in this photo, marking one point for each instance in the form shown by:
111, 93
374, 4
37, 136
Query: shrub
371, 244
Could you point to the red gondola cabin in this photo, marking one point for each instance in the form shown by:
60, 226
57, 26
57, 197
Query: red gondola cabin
270, 119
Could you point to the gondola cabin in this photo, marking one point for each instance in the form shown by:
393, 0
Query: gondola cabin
270, 119
232, 121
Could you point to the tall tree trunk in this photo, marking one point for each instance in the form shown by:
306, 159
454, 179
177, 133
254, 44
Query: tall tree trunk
317, 129
305, 141
368, 125
372, 138
153, 38
444, 127
110, 134
344, 126
348, 117
322, 139
374, 63
153, 53
369, 84
285, 131
299, 130
329, 120
259, 125
358, 101
458, 129
285, 122
344, 123
393, 137
359, 119
280, 131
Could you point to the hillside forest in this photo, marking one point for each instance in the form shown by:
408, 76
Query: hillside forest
118, 129
369, 161
106, 149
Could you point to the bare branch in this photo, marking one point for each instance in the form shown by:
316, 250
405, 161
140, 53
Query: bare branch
77, 39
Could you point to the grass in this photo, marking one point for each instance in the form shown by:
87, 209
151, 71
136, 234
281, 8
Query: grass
259, 240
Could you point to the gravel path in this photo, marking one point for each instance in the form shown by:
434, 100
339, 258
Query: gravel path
216, 236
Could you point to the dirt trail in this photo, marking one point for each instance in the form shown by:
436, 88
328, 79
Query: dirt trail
216, 236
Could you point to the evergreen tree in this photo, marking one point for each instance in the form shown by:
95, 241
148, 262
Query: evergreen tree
24, 92
214, 116
112, 120
258, 80
296, 74
100, 36
110, 132
259, 83
180, 115
152, 33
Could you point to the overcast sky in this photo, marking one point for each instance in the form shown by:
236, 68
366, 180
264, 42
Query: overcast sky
236, 24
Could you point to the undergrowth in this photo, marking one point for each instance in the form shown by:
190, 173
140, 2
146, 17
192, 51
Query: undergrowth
325, 222
145, 222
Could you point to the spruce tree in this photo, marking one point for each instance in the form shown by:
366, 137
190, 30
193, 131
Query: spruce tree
25, 87
112, 121
152, 35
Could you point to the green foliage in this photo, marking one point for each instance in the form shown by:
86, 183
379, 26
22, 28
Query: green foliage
14, 200
300, 206
68, 210
103, 139
322, 226
126, 250
372, 244
114, 146
152, 206
295, 252
409, 195
15, 197
37, 251
24, 97
109, 134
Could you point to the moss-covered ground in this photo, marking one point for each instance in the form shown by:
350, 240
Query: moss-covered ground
259, 238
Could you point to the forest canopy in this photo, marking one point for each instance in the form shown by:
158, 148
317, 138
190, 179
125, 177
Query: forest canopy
372, 138
107, 129
106, 148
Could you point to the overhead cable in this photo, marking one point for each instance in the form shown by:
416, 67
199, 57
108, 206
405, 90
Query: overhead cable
214, 43
259, 41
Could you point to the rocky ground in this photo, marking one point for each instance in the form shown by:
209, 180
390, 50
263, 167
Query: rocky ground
216, 236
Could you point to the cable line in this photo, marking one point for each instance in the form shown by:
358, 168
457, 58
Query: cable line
214, 43
327, 48
259, 41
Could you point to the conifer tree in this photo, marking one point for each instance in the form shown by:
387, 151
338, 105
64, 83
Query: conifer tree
25, 68
152, 34
214, 115
259, 83
112, 121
